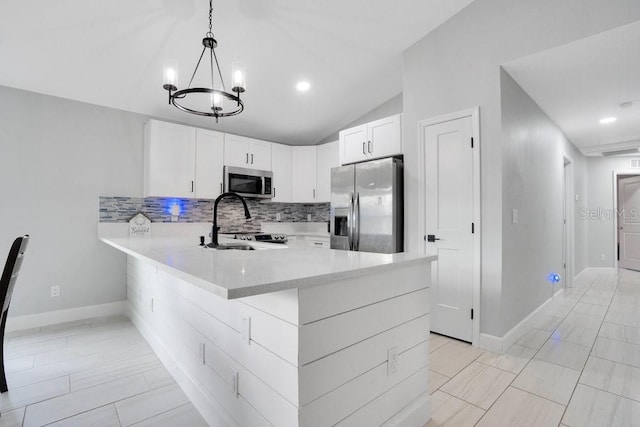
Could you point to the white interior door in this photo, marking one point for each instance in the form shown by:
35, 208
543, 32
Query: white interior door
449, 211
629, 222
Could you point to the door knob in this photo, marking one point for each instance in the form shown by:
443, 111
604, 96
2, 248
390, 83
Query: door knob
432, 238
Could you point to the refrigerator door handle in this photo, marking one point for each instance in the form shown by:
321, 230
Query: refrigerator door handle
356, 216
350, 222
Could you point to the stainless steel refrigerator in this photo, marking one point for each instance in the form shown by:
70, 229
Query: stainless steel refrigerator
367, 206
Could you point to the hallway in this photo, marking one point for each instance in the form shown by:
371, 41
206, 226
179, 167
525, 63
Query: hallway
579, 365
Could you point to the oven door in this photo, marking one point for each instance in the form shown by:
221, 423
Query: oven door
247, 182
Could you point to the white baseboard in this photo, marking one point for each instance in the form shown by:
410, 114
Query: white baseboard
490, 343
29, 321
578, 275
210, 410
502, 344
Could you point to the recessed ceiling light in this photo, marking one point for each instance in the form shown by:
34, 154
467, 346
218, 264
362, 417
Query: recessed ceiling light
608, 120
303, 86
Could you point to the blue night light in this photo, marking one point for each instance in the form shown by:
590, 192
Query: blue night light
173, 205
553, 278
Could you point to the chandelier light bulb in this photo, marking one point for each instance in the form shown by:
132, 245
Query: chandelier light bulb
170, 75
238, 77
217, 101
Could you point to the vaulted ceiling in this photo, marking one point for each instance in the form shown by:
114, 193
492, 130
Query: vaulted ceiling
112, 53
580, 83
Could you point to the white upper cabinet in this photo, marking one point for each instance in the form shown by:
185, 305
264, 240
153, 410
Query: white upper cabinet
169, 160
281, 167
236, 151
182, 161
303, 174
246, 152
353, 144
259, 154
384, 137
327, 158
209, 163
381, 138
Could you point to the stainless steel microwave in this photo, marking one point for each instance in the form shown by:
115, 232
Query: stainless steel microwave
248, 182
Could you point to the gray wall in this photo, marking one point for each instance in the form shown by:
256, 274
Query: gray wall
456, 67
389, 108
533, 183
600, 201
56, 157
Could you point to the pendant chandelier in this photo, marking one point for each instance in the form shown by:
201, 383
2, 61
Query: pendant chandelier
214, 101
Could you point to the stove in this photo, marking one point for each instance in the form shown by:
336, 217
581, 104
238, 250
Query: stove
262, 237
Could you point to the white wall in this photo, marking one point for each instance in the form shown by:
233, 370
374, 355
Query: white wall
533, 169
56, 157
456, 67
600, 207
388, 108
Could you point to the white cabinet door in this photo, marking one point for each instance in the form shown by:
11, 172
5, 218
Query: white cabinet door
353, 144
327, 156
209, 163
303, 174
281, 167
259, 154
236, 151
384, 137
169, 160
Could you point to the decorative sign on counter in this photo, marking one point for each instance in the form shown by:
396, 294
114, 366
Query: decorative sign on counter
139, 226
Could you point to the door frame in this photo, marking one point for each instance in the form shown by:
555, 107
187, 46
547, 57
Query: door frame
569, 216
616, 235
474, 113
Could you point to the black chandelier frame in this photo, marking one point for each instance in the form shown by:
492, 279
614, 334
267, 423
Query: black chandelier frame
176, 95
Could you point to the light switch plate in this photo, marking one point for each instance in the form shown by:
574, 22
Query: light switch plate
515, 216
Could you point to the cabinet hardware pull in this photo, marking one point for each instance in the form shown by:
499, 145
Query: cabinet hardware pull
274, 192
251, 158
247, 161
192, 186
314, 193
364, 150
369, 146
220, 188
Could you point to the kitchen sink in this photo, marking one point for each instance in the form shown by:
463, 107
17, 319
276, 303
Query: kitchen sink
235, 246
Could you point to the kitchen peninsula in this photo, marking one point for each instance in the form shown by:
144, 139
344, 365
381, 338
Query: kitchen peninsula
286, 337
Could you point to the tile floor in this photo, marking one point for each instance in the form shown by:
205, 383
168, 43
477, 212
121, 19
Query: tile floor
99, 372
579, 365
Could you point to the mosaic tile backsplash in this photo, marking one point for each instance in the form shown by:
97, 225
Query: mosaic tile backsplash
230, 211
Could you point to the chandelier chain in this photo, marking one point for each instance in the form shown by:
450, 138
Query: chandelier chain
210, 16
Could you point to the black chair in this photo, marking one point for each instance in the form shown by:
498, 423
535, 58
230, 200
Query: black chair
7, 283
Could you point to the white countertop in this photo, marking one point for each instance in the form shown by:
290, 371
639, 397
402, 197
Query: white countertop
235, 274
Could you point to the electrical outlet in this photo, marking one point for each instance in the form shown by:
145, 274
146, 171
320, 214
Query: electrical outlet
278, 217
309, 217
55, 291
392, 361
603, 257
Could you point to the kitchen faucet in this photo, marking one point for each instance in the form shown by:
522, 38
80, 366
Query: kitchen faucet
214, 232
